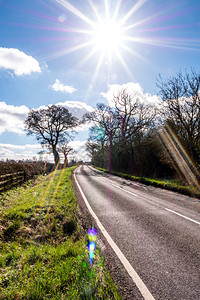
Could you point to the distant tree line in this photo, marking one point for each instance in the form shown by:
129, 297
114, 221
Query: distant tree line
145, 139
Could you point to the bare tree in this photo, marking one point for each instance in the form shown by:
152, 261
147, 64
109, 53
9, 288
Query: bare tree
51, 126
181, 108
104, 130
136, 119
65, 149
119, 131
103, 117
132, 114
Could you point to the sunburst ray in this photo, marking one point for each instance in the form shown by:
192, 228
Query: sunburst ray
75, 11
132, 11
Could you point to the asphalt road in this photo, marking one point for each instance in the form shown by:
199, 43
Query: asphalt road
158, 231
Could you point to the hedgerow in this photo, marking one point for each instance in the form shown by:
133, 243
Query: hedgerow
29, 169
172, 185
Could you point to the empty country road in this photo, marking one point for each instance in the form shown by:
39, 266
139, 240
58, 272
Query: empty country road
158, 231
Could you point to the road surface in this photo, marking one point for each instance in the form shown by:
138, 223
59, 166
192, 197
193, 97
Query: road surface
157, 231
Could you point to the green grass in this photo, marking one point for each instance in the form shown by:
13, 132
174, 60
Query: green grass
43, 251
172, 185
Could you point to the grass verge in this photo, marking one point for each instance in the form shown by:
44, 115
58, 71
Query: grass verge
172, 185
43, 251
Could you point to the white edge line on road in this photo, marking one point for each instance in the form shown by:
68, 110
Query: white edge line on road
174, 212
133, 274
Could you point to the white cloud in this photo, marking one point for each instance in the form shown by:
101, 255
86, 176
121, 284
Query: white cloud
29, 151
19, 152
132, 88
77, 108
26, 147
12, 118
17, 61
80, 149
59, 87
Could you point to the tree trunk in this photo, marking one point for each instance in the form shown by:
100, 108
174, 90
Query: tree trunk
65, 162
56, 157
109, 153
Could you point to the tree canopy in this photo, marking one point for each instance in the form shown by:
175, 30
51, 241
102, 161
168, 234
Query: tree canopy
118, 131
159, 139
51, 126
181, 109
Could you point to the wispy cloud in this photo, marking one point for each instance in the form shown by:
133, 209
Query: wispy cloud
18, 62
60, 87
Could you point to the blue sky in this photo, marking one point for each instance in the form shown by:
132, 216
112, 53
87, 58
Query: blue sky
53, 51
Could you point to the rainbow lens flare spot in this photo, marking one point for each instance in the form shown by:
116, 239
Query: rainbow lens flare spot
92, 235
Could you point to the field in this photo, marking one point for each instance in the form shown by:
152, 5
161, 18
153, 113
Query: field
43, 245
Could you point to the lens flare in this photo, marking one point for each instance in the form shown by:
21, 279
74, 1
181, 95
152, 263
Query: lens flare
180, 159
92, 235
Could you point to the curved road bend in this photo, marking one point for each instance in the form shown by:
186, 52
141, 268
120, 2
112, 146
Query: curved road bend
158, 231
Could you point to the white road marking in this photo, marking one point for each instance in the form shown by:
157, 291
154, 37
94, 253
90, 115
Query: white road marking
138, 184
174, 212
124, 190
103, 179
120, 188
133, 274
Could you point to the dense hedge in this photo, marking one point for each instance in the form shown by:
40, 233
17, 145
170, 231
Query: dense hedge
29, 169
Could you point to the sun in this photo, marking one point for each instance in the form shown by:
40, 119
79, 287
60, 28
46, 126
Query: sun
108, 36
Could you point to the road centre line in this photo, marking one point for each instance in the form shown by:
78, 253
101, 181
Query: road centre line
174, 212
132, 273
120, 188
124, 190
